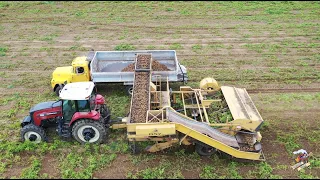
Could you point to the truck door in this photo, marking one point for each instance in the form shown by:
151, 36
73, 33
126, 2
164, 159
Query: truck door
80, 74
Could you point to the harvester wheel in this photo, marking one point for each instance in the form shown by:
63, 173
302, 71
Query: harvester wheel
204, 149
133, 147
32, 133
129, 90
89, 131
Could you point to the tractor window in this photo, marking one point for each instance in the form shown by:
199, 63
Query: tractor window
84, 106
69, 109
79, 70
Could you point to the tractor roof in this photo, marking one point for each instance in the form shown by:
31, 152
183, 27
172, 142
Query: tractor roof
77, 91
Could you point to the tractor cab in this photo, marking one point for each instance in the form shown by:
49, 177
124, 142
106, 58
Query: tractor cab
80, 100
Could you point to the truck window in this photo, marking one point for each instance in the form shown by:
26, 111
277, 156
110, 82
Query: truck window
79, 70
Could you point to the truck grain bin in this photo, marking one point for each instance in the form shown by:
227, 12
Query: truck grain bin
117, 67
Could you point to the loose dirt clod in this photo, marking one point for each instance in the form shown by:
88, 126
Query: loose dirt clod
156, 66
140, 99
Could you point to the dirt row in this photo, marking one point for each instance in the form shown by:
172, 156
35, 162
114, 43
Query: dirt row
140, 98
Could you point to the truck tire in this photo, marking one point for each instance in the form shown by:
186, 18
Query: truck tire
57, 90
89, 131
31, 132
204, 150
129, 90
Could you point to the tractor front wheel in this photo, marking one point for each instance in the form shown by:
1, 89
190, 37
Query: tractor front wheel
89, 131
31, 132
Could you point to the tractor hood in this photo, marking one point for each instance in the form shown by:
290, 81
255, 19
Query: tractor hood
45, 105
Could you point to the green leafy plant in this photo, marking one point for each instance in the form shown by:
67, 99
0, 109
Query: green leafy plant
208, 172
123, 47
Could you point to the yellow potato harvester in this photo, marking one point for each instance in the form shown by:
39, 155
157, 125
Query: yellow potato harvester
196, 117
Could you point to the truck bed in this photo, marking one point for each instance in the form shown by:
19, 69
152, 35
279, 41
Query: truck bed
107, 66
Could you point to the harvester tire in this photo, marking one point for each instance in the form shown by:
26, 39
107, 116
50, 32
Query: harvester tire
89, 131
204, 149
134, 148
31, 132
129, 90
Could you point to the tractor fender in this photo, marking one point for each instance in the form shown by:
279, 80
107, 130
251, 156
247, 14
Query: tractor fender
94, 115
26, 120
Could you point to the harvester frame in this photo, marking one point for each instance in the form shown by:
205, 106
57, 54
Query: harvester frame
166, 127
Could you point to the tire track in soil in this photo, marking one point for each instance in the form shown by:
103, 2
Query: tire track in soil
284, 90
213, 40
227, 53
263, 79
50, 166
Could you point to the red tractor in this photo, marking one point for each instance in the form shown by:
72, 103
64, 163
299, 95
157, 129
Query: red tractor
79, 113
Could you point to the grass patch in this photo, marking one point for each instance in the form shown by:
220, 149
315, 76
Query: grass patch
175, 46
32, 172
124, 47
208, 172
48, 37
3, 51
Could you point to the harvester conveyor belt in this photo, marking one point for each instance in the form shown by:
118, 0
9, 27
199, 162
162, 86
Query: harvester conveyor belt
217, 139
202, 128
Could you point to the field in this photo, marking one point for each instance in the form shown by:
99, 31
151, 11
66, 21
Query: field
270, 48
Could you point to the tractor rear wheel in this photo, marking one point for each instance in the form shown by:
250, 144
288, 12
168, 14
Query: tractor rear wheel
105, 114
204, 149
89, 131
31, 132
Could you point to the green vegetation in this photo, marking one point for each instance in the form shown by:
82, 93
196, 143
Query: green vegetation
175, 46
3, 51
208, 172
252, 45
123, 47
32, 172
48, 37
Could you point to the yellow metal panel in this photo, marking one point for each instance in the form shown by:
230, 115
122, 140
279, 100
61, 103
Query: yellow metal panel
240, 104
247, 124
156, 130
208, 102
219, 145
153, 87
118, 126
186, 88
